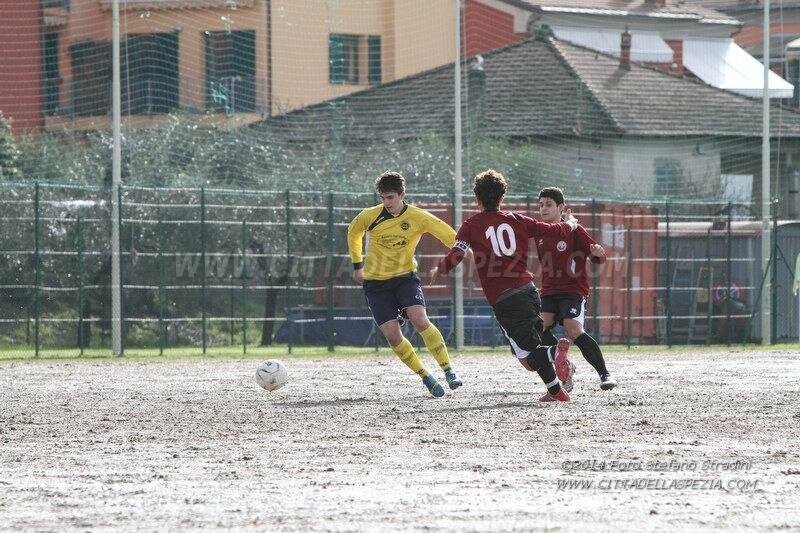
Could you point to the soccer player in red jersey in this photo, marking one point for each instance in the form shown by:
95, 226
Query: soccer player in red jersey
499, 242
565, 283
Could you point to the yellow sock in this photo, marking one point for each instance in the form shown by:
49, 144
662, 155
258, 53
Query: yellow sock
409, 357
434, 342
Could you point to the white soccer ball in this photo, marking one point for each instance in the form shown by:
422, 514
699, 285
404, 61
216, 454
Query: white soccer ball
271, 375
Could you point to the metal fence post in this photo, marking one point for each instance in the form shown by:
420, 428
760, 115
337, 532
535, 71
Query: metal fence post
453, 318
774, 274
594, 268
79, 247
37, 269
287, 302
330, 274
629, 300
642, 254
161, 295
121, 276
203, 265
243, 300
729, 276
378, 332
709, 289
231, 310
668, 279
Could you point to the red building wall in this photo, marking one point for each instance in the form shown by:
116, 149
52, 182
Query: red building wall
487, 28
21, 64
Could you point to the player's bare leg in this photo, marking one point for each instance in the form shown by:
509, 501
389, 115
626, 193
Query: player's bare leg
548, 322
564, 366
405, 351
434, 342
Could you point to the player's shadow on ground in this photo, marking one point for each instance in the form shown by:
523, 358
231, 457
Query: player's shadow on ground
504, 405
337, 402
507, 393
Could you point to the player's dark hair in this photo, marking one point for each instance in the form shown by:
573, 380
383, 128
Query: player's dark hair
554, 193
489, 187
390, 182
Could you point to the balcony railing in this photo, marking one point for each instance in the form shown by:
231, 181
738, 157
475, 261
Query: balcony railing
153, 97
58, 4
179, 4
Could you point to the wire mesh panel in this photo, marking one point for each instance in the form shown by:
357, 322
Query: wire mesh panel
786, 283
200, 264
649, 118
19, 260
56, 264
214, 268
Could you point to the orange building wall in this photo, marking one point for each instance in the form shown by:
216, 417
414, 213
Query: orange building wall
21, 65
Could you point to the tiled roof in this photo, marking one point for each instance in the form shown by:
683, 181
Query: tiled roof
538, 88
647, 101
732, 7
697, 10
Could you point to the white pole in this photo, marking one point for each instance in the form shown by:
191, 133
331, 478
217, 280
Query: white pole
458, 280
766, 248
116, 178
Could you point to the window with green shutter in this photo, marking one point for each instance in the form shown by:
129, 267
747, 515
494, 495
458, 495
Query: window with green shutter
374, 59
231, 71
343, 58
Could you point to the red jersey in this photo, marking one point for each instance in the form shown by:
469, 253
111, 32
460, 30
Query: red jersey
499, 242
563, 260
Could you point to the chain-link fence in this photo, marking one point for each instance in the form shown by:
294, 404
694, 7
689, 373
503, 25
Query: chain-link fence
213, 268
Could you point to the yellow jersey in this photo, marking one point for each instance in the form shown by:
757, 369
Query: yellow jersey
392, 240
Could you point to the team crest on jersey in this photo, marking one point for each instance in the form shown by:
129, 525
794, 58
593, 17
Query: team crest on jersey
404, 226
561, 246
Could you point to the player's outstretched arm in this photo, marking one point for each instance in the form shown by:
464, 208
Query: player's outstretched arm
440, 229
597, 252
355, 236
449, 262
537, 227
593, 251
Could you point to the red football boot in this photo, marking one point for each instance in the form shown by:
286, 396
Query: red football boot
560, 396
562, 363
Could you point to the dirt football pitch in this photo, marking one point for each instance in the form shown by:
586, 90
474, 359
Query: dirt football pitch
699, 440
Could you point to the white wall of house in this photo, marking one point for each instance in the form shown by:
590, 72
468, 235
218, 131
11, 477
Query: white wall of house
638, 163
577, 164
630, 166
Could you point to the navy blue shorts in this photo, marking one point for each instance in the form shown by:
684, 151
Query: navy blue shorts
565, 306
388, 298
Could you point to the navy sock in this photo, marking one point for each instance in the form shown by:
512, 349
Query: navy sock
540, 361
591, 352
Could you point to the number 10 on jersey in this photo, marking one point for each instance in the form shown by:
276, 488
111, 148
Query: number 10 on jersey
504, 242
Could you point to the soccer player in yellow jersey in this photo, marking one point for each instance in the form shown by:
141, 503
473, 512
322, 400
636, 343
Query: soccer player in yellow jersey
389, 276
